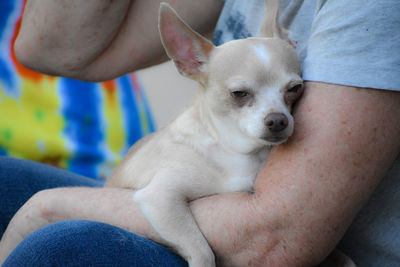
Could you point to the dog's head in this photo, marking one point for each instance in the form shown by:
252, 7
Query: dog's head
249, 85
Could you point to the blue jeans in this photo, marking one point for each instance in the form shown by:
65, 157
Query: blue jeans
70, 243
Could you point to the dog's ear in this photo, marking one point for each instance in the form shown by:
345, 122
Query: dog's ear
270, 26
189, 50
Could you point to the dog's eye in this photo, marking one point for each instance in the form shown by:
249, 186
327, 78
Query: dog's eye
296, 89
239, 94
293, 94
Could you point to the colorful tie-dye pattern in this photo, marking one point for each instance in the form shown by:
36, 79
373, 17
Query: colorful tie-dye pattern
80, 126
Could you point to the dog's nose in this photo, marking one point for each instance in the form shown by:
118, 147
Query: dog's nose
276, 122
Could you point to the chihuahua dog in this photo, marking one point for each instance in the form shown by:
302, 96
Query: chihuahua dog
219, 144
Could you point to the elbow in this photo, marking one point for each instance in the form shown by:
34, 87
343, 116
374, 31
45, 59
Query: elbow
286, 251
58, 63
279, 243
285, 254
24, 54
48, 60
32, 56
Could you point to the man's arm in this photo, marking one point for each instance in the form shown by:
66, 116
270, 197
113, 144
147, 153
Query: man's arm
312, 186
100, 39
306, 196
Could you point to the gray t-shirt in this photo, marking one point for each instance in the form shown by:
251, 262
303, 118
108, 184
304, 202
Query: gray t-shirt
353, 43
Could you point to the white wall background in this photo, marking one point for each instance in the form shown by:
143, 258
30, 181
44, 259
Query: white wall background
167, 91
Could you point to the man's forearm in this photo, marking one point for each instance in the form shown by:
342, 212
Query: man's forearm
311, 187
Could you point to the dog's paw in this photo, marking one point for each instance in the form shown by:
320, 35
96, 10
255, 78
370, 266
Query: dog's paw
202, 260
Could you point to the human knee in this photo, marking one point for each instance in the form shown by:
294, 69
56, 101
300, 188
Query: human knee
41, 204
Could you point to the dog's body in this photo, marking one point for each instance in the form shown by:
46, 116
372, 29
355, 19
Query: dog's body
184, 152
220, 143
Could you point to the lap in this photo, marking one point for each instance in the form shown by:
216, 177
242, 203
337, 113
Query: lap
70, 243
87, 243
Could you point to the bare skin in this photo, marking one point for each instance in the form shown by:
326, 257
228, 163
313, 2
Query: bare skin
97, 40
305, 197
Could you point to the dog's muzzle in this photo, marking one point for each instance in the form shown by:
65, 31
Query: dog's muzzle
276, 124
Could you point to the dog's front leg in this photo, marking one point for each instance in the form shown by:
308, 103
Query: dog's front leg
169, 213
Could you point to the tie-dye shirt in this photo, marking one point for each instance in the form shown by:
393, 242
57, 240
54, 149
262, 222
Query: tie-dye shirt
80, 126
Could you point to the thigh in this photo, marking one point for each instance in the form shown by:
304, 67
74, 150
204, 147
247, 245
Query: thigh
20, 179
87, 243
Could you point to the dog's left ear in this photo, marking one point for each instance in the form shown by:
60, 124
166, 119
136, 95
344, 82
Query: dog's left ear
270, 26
189, 50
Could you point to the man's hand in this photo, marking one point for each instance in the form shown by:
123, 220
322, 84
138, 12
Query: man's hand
98, 40
305, 197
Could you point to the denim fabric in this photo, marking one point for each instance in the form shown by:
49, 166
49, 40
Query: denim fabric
87, 243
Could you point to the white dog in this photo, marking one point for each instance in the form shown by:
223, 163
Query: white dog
219, 144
